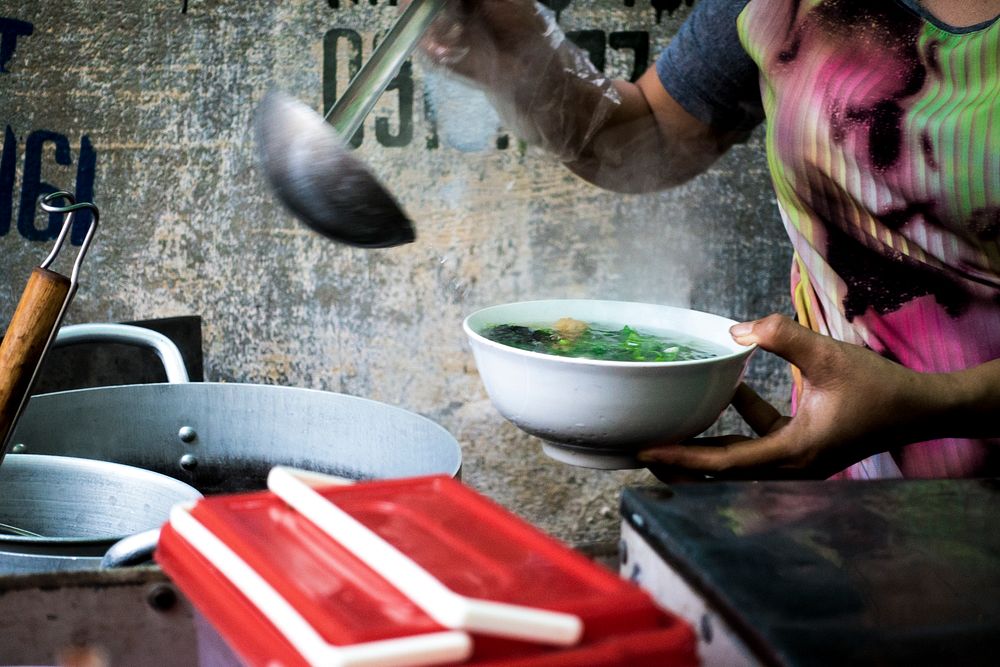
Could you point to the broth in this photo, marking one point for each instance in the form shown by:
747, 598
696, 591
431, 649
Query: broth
572, 338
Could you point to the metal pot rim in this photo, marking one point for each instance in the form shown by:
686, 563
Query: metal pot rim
91, 543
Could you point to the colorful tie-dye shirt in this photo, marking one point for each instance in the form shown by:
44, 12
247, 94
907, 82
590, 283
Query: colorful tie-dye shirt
883, 141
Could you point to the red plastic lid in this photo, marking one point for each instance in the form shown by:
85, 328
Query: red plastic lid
472, 546
346, 606
479, 549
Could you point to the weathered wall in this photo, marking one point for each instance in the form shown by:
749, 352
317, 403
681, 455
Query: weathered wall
146, 108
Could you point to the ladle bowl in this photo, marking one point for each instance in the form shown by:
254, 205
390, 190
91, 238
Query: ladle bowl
306, 159
313, 173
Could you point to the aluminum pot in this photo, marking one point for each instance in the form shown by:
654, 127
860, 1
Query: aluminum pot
225, 437
77, 510
216, 437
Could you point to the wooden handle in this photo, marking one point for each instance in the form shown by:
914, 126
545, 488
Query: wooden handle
24, 343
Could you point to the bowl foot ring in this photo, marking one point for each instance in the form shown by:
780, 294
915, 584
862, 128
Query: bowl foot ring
590, 458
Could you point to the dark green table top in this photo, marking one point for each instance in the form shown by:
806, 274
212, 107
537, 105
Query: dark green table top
839, 573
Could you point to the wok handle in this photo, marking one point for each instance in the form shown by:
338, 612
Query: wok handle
127, 334
35, 318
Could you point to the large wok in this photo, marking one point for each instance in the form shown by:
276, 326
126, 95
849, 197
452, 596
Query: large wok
224, 437
215, 437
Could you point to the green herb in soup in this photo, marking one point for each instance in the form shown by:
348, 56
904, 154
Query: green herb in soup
572, 338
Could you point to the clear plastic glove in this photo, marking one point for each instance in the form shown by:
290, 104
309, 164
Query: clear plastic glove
544, 87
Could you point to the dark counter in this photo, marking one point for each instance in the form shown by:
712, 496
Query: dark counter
838, 573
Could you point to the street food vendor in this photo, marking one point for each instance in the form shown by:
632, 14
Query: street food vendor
883, 142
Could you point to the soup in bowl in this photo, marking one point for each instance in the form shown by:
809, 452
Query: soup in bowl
598, 380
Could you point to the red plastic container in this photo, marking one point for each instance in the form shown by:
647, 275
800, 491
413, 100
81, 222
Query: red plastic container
451, 535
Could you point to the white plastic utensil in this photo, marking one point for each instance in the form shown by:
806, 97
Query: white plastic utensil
448, 608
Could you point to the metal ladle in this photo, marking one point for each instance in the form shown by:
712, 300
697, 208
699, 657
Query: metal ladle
306, 158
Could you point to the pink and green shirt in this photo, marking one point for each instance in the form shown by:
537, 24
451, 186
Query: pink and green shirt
883, 142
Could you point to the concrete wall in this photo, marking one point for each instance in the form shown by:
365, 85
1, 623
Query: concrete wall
145, 108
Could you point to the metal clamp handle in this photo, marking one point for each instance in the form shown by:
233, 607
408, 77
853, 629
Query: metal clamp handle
45, 204
36, 320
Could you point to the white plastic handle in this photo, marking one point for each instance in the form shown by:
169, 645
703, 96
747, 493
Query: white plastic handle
435, 648
441, 603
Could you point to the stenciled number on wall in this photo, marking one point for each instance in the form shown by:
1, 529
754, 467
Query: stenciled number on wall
35, 146
32, 185
661, 7
340, 41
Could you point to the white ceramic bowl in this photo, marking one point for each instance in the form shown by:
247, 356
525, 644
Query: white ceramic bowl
596, 413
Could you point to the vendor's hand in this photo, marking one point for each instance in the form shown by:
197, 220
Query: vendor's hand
853, 404
545, 88
481, 39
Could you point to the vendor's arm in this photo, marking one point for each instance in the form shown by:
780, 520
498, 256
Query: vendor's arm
853, 404
650, 142
698, 99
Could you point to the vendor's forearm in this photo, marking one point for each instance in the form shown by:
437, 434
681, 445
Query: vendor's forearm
628, 137
972, 402
649, 143
963, 404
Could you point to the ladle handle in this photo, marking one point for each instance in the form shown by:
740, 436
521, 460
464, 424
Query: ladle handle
348, 112
37, 315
